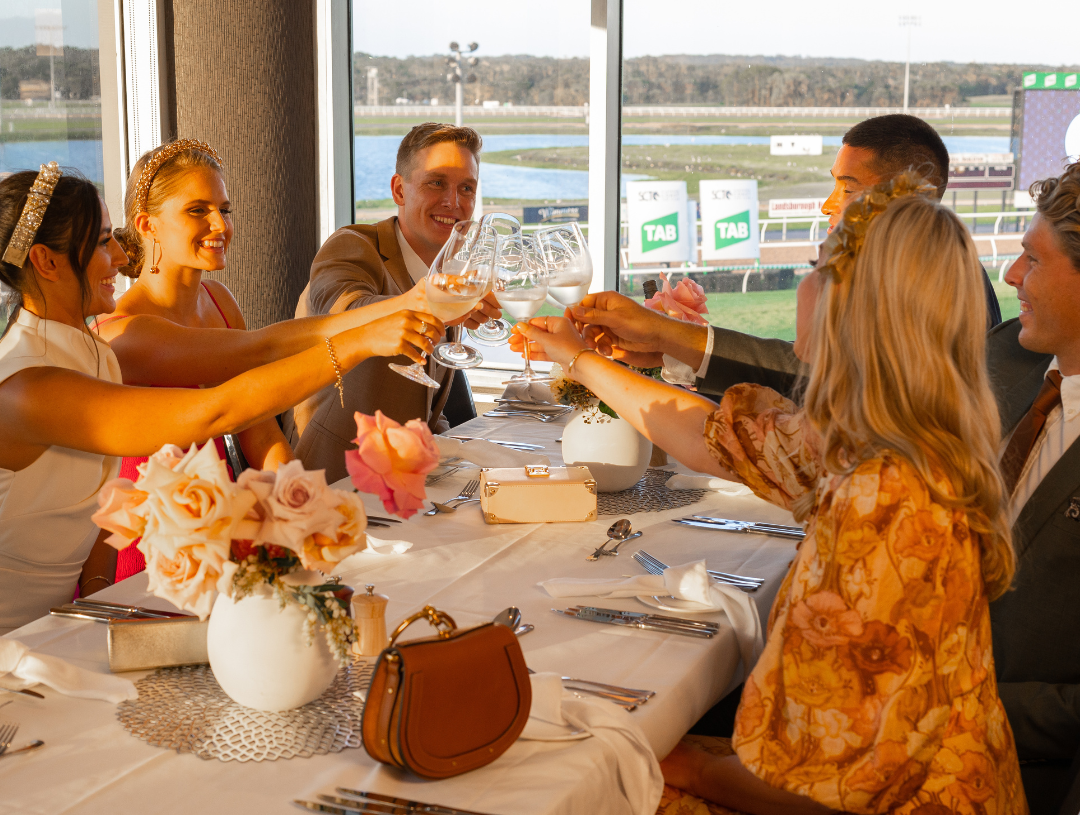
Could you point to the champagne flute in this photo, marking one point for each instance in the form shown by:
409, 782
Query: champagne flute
459, 277
521, 288
498, 225
568, 261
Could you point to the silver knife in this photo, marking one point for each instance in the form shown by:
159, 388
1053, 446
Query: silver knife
741, 528
750, 524
332, 810
416, 806
627, 623
646, 616
382, 520
143, 612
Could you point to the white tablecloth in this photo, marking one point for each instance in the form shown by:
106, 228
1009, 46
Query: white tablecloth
469, 569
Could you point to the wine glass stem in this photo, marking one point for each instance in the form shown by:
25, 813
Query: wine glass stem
528, 367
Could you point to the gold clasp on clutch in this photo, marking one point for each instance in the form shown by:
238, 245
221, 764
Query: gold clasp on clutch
490, 488
439, 619
537, 471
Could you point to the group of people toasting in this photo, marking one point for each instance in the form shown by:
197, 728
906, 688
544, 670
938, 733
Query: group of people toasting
920, 655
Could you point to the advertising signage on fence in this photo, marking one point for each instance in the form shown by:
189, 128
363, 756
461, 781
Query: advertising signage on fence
659, 229
555, 215
729, 220
1060, 81
795, 145
792, 207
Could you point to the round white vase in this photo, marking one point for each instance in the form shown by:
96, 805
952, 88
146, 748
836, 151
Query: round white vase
615, 453
261, 657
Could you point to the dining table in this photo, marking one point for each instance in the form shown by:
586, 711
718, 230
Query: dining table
472, 570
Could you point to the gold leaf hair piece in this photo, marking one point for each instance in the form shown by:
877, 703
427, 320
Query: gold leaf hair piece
844, 242
37, 200
142, 190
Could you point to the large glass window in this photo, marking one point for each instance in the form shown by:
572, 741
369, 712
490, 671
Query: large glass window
50, 86
524, 88
734, 113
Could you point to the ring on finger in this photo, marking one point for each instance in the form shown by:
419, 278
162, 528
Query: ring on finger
423, 327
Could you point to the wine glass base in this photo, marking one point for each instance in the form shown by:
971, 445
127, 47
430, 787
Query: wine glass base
519, 378
415, 372
455, 355
493, 332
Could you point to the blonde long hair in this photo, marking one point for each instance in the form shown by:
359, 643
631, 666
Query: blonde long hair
899, 358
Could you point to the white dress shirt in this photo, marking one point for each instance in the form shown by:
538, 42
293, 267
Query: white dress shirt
1062, 428
679, 373
416, 268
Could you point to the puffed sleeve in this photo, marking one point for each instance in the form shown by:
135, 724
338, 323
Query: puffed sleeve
762, 438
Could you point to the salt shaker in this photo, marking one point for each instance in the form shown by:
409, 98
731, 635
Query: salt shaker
369, 612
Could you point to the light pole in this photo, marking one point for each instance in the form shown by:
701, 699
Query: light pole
908, 21
458, 78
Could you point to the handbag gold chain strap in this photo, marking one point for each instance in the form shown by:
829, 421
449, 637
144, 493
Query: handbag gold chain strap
442, 621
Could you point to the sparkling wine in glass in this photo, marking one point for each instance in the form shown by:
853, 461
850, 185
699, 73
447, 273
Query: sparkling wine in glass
459, 277
497, 225
568, 262
521, 287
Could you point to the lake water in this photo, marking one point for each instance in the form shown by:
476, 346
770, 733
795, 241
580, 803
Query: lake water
375, 156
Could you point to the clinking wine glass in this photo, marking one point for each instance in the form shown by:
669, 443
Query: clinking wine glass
568, 262
521, 287
496, 225
455, 283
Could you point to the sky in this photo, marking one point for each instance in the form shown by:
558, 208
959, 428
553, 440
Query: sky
951, 30
80, 20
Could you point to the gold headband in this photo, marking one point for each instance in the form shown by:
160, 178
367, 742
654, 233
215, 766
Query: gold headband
142, 189
36, 201
846, 240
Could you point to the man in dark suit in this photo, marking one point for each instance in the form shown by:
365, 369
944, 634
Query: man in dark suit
716, 358
434, 187
1034, 364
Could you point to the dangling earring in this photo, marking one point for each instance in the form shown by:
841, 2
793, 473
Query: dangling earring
155, 258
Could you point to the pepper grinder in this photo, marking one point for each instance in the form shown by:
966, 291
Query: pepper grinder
369, 612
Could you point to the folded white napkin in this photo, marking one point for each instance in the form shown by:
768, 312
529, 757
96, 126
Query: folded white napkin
537, 392
487, 454
706, 482
690, 582
381, 547
639, 779
21, 669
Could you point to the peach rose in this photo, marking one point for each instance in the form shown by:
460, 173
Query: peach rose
686, 301
120, 513
392, 461
325, 550
294, 504
188, 578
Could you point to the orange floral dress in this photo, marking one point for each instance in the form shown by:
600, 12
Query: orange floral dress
876, 690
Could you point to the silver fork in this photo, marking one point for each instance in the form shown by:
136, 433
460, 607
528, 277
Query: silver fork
654, 566
468, 492
7, 735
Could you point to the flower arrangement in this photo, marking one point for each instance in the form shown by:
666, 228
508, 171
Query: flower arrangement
568, 391
392, 461
202, 534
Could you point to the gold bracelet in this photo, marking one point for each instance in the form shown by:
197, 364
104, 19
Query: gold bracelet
570, 367
92, 579
337, 371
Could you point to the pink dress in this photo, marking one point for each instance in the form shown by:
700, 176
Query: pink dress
130, 561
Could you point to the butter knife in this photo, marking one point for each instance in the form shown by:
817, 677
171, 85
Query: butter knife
412, 806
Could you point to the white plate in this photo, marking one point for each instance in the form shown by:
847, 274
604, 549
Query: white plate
674, 604
539, 730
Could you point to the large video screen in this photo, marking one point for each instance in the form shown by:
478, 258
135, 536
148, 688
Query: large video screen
1049, 134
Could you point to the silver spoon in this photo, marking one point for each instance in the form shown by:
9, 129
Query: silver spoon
619, 531
509, 617
614, 550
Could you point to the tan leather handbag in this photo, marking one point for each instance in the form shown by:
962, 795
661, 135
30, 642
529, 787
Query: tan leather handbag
444, 705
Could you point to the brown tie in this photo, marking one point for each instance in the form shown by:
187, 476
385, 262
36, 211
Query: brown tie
1028, 429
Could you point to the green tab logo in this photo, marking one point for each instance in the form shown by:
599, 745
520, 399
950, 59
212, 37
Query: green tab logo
733, 229
661, 232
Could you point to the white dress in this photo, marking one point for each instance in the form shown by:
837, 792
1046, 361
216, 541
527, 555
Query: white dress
45, 529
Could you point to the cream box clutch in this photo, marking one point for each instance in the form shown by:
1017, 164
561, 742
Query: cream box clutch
537, 494
138, 645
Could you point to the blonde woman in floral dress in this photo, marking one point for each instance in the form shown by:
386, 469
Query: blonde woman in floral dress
875, 692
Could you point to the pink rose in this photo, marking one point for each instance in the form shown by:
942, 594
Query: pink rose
120, 512
294, 504
392, 461
686, 301
324, 550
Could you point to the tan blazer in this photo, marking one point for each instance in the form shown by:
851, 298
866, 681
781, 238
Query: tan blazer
358, 264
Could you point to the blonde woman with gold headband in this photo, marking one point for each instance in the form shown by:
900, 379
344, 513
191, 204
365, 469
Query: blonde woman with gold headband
179, 225
876, 689
65, 417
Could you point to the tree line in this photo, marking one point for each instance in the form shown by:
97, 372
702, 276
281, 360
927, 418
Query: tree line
695, 80
77, 74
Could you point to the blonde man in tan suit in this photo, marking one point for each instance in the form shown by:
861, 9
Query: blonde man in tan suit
434, 187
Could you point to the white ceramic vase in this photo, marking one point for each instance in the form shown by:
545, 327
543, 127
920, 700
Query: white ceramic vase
615, 453
261, 657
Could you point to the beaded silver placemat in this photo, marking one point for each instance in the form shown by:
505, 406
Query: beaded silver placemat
185, 709
648, 495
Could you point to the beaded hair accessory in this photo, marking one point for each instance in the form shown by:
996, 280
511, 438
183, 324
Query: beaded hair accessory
844, 242
36, 202
142, 189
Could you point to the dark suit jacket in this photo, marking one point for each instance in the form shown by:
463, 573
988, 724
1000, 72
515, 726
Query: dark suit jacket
358, 264
1036, 625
